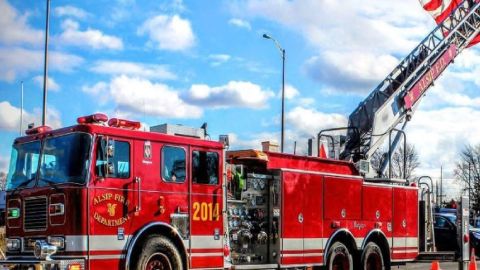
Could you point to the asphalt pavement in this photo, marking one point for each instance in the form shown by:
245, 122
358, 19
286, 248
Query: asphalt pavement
427, 266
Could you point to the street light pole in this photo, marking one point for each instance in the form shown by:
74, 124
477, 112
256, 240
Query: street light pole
21, 112
45, 66
282, 51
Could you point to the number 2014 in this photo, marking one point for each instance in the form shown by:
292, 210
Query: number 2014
206, 211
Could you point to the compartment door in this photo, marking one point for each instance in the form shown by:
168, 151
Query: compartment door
206, 248
292, 220
399, 224
313, 219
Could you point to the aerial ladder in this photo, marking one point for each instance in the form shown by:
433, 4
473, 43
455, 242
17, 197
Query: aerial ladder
389, 107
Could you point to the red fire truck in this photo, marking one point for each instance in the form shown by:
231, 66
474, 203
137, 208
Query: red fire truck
96, 196
103, 194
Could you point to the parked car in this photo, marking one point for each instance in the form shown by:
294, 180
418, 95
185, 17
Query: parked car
445, 229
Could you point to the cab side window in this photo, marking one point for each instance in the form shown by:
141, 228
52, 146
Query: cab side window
173, 164
119, 162
205, 167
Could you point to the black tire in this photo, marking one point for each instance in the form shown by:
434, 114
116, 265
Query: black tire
372, 257
159, 253
339, 257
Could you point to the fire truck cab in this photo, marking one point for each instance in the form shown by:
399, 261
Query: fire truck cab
98, 196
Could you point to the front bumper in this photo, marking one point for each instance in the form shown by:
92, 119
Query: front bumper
32, 264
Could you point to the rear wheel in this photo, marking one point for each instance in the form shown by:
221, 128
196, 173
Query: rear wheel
372, 257
159, 253
339, 257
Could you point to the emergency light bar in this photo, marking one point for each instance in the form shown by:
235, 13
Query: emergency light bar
38, 130
122, 123
92, 119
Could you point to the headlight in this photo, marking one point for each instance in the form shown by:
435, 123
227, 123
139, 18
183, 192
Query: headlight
57, 241
13, 244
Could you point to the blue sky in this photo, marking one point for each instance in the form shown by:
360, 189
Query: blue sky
190, 62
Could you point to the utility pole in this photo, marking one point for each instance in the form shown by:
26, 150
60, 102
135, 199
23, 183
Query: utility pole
441, 184
45, 66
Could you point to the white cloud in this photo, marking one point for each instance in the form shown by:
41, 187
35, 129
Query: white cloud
140, 96
440, 134
350, 71
14, 28
218, 59
71, 11
290, 92
168, 32
10, 117
148, 71
240, 23
92, 38
96, 89
19, 62
51, 84
308, 122
233, 94
4, 161
369, 33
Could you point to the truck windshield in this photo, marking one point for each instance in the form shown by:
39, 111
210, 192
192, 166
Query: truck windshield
62, 159
23, 165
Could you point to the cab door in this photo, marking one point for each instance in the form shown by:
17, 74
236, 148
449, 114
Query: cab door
111, 201
206, 246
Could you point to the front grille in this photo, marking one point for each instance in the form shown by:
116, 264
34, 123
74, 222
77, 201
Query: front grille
35, 214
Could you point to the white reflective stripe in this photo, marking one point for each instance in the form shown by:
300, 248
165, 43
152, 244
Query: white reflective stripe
292, 255
107, 242
292, 243
312, 254
76, 243
186, 243
97, 242
313, 243
411, 242
359, 241
206, 241
399, 241
408, 250
106, 257
215, 254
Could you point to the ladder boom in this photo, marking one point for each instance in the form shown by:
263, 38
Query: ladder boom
394, 100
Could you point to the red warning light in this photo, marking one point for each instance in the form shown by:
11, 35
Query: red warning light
94, 118
122, 123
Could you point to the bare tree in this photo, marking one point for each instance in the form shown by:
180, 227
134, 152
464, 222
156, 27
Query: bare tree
411, 161
3, 180
467, 171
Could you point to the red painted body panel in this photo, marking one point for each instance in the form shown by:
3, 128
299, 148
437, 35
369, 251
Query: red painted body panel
343, 198
319, 197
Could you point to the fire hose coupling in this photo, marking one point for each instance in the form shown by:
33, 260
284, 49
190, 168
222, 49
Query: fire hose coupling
42, 250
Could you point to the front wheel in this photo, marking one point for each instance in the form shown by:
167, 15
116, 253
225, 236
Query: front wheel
372, 257
159, 253
339, 257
